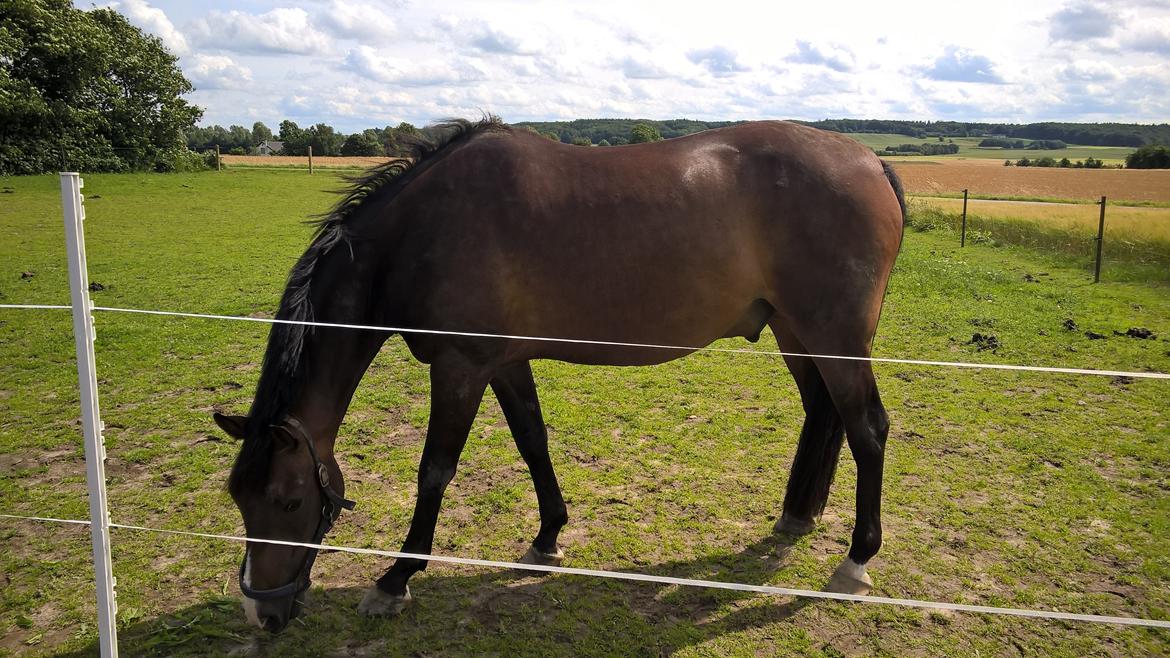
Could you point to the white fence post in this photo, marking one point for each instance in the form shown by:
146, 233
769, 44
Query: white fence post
91, 424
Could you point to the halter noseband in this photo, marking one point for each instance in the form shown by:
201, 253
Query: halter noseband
330, 510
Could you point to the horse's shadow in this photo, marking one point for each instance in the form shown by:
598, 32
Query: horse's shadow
495, 613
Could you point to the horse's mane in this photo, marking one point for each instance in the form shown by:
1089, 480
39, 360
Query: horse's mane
283, 371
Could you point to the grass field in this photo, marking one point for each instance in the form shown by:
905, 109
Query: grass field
969, 148
1016, 489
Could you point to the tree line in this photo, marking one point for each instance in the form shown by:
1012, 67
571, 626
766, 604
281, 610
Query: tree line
920, 149
1019, 144
323, 138
618, 131
1063, 163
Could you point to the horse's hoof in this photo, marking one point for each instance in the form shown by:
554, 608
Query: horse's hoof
377, 603
788, 525
850, 578
536, 556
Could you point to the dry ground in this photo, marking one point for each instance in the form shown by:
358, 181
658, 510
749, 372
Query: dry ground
991, 178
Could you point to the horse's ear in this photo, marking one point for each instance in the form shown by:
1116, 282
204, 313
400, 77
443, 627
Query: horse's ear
233, 425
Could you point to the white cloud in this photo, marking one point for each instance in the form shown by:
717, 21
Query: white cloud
1149, 38
838, 58
958, 65
153, 21
1088, 71
281, 30
383, 67
494, 39
358, 21
720, 61
217, 72
1084, 20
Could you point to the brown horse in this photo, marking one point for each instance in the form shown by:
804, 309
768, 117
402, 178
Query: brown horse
495, 230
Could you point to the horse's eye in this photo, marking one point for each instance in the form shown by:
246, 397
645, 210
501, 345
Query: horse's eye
293, 506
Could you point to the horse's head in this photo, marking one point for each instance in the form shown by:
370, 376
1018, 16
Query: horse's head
286, 492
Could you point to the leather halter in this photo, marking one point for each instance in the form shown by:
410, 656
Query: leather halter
330, 510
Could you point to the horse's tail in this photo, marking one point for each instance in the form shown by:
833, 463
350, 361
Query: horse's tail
896, 183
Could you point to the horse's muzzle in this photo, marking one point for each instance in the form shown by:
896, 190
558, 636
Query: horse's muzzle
273, 615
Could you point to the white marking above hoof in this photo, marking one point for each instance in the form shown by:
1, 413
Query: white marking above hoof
534, 556
377, 603
250, 612
850, 578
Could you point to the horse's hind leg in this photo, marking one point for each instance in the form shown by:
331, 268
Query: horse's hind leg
820, 443
516, 391
457, 388
854, 391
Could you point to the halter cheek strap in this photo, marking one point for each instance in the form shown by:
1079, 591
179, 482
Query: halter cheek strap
330, 510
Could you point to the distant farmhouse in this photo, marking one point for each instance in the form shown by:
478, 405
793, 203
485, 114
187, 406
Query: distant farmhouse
269, 147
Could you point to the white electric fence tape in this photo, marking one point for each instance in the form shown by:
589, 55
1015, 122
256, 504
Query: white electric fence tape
680, 348
663, 580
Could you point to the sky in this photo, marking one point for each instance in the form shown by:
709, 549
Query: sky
358, 64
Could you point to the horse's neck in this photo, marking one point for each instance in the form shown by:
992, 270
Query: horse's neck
336, 361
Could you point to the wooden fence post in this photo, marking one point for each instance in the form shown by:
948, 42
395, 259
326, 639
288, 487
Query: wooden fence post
218, 160
310, 159
1100, 243
963, 232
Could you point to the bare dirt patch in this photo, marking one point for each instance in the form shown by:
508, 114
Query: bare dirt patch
990, 177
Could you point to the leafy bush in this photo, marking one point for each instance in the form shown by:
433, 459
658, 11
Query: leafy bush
1149, 157
183, 159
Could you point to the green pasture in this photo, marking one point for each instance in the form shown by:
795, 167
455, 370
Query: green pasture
969, 148
1002, 488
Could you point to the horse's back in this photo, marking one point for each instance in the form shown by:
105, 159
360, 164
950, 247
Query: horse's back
677, 241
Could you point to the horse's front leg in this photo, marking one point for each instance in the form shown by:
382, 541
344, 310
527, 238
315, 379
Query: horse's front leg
457, 388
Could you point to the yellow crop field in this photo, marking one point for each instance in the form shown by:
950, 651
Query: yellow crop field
1136, 234
1130, 222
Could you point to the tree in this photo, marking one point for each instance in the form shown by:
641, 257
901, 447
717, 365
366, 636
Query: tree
364, 143
642, 133
240, 138
260, 133
294, 138
1149, 157
86, 90
582, 141
325, 140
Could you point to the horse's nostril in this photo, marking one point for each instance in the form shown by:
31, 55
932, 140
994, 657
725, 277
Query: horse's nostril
272, 624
